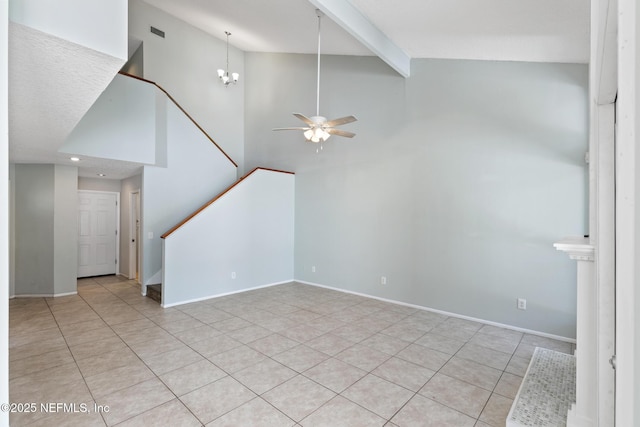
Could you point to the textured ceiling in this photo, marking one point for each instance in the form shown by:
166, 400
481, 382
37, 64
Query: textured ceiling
52, 83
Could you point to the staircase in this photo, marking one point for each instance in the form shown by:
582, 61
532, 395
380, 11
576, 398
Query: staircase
155, 293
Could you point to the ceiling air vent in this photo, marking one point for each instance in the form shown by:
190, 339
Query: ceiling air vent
157, 32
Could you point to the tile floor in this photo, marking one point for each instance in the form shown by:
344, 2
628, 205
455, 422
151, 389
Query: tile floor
287, 355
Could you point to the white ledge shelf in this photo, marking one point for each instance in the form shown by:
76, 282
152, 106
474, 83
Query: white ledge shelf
578, 248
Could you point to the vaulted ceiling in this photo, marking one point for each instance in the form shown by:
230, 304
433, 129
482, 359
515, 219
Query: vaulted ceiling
503, 30
395, 30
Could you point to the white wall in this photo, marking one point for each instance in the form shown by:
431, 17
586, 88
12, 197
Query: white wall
103, 26
457, 184
184, 63
4, 214
196, 172
120, 125
248, 231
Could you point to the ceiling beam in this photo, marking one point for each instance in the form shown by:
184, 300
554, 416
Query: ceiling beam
604, 42
355, 23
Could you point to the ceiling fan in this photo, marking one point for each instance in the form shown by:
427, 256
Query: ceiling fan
318, 128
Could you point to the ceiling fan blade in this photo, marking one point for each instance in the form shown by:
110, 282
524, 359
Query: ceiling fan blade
340, 121
304, 118
340, 132
299, 128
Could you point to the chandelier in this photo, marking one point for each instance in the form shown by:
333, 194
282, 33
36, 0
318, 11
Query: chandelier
224, 74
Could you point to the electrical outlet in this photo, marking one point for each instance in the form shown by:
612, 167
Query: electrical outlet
522, 304
233, 274
383, 280
313, 268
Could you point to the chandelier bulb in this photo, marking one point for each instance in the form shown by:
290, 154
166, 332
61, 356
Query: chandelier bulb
224, 74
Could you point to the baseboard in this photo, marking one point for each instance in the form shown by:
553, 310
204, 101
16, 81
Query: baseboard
446, 313
226, 294
66, 294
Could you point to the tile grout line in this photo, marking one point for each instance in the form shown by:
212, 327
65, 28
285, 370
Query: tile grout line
74, 357
262, 301
125, 343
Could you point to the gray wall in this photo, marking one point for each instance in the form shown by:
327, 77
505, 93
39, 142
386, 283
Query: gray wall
12, 231
120, 124
242, 241
65, 235
99, 184
457, 184
184, 63
45, 229
135, 64
196, 172
34, 222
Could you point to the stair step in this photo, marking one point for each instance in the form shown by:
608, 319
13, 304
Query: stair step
155, 292
547, 391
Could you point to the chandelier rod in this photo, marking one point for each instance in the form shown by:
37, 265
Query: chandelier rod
319, 13
228, 34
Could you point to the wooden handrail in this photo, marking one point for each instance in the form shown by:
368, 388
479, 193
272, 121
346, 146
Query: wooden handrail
183, 110
203, 207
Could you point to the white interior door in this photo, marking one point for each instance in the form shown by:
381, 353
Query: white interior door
97, 233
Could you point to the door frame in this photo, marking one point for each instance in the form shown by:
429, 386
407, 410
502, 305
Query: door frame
602, 228
135, 250
117, 208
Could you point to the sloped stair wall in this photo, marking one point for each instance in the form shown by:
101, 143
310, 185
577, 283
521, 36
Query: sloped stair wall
243, 239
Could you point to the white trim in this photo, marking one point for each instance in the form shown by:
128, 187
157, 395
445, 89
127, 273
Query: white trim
227, 293
65, 294
578, 248
4, 210
627, 395
602, 236
447, 313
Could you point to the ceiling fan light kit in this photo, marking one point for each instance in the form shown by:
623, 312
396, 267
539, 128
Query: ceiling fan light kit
223, 75
316, 135
318, 128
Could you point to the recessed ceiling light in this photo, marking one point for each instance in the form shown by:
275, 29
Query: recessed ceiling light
101, 174
74, 159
